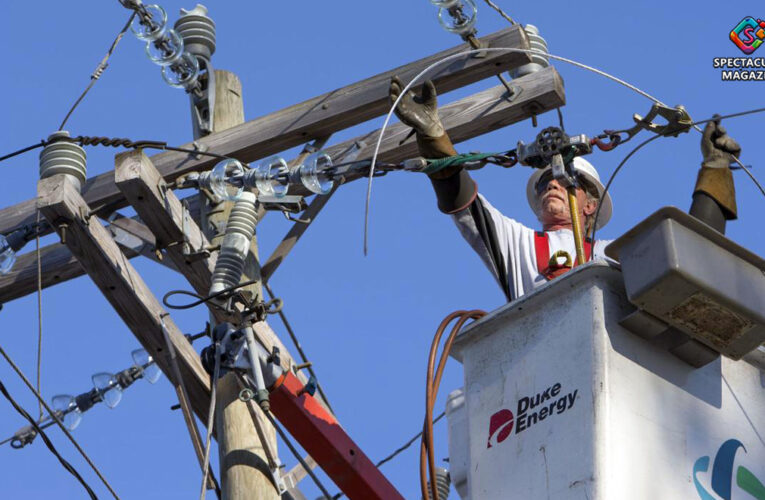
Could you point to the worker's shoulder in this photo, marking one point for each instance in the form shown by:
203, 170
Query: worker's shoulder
499, 218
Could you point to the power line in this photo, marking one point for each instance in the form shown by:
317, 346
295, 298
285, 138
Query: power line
39, 313
399, 450
99, 70
58, 421
299, 348
48, 442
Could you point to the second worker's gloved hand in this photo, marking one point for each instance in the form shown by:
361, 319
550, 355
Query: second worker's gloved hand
419, 112
718, 147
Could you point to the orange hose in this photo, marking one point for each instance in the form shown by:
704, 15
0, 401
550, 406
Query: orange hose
432, 383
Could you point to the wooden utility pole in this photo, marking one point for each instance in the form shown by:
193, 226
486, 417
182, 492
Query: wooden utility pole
244, 472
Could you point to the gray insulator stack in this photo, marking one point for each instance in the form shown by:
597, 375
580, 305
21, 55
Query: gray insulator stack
240, 228
539, 62
443, 482
197, 31
63, 157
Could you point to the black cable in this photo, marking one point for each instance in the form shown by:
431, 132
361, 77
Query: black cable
299, 349
611, 179
201, 298
23, 150
48, 442
99, 69
399, 450
639, 146
294, 451
408, 443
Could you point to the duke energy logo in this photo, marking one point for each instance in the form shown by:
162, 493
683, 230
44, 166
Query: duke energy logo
530, 411
722, 474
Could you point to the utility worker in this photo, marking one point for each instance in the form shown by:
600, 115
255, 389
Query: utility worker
520, 258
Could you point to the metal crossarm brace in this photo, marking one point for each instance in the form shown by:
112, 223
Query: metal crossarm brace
98, 253
319, 433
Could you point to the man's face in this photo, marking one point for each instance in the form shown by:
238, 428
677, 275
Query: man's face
553, 202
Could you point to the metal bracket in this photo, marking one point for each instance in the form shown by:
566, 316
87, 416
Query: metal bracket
678, 122
203, 102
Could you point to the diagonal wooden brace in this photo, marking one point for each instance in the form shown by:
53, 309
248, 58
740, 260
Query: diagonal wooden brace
61, 203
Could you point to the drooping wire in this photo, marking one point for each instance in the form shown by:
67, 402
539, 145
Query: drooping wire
58, 421
99, 69
299, 348
47, 442
457, 56
200, 298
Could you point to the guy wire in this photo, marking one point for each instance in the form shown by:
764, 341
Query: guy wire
58, 421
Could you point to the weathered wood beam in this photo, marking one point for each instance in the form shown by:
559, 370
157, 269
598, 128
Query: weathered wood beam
162, 211
464, 119
469, 117
472, 116
311, 119
57, 264
98, 253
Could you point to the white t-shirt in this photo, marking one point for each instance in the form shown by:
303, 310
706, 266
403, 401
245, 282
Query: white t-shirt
507, 247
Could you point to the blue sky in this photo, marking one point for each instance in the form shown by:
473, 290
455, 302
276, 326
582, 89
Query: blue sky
366, 322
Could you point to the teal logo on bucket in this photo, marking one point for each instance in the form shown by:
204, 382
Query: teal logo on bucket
723, 474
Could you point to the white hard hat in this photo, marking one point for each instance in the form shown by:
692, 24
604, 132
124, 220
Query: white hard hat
584, 168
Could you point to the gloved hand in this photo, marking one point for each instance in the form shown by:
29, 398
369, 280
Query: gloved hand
718, 147
419, 112
715, 178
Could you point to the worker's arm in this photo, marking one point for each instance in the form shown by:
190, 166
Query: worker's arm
714, 197
454, 188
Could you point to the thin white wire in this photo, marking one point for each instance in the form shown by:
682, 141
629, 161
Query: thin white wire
457, 56
210, 420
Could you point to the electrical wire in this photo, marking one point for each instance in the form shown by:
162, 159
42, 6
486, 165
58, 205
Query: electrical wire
58, 421
650, 139
501, 12
99, 69
200, 298
295, 452
398, 451
39, 314
299, 348
23, 150
432, 383
465, 54
210, 419
47, 441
